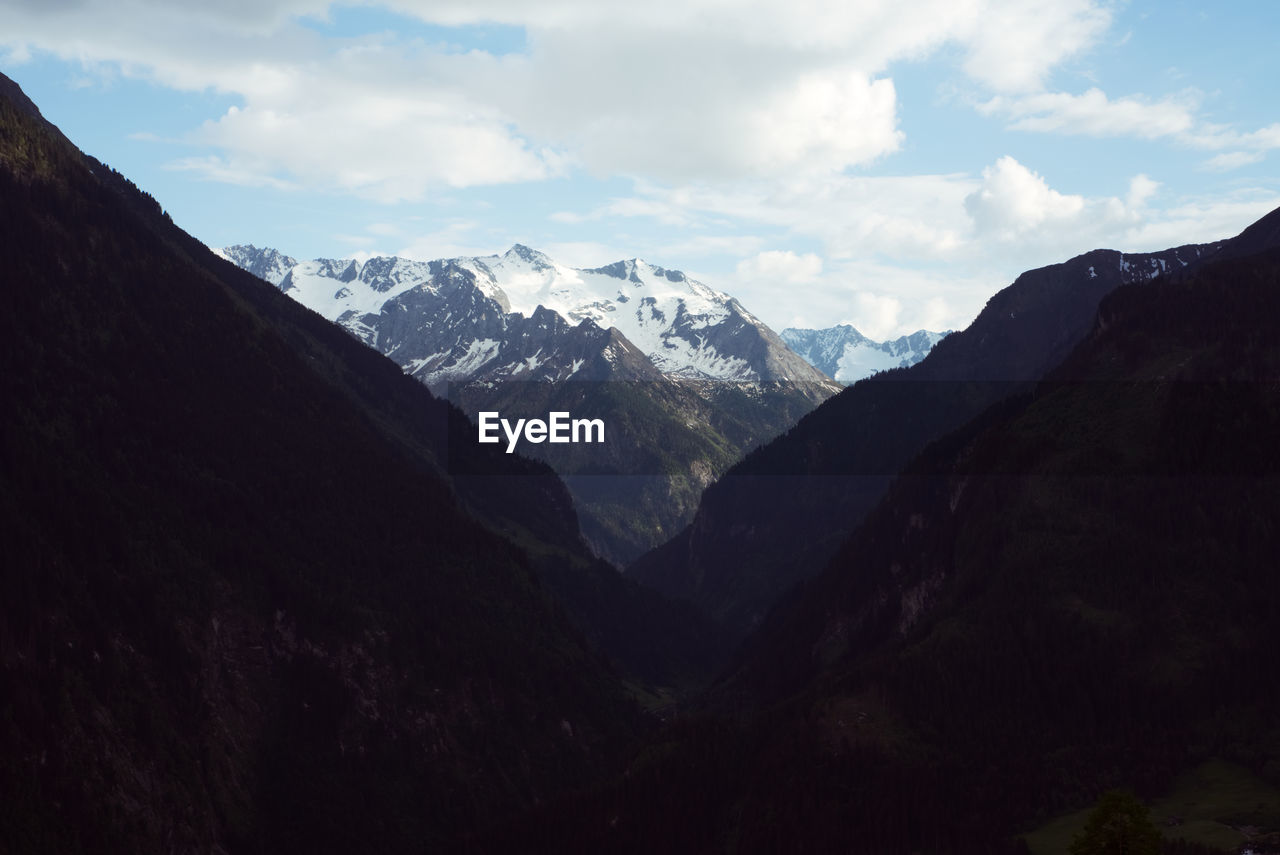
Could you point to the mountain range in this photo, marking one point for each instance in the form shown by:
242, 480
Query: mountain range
504, 334
258, 595
464, 319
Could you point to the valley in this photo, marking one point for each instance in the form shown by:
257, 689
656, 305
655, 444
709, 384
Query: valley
295, 557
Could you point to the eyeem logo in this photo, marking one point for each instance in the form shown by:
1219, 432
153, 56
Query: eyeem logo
558, 427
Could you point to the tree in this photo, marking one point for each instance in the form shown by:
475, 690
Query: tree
1119, 825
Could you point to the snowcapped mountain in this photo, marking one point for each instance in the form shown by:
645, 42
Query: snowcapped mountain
687, 328
718, 381
523, 316
847, 355
264, 263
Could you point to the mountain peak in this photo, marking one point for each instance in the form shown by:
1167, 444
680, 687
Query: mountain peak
11, 90
527, 253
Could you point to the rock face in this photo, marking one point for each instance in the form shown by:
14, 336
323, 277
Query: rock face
847, 356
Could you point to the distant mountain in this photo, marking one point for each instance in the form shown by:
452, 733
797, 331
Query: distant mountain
264, 263
847, 356
253, 598
712, 380
465, 318
777, 516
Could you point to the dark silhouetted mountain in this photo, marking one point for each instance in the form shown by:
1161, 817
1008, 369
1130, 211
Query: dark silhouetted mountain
776, 517
253, 598
1075, 591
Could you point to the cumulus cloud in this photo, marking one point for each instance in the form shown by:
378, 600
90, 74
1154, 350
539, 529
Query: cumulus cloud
1013, 200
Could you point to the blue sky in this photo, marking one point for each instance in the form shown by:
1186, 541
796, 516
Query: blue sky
886, 164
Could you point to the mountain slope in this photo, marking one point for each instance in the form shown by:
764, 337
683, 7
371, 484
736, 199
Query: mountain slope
779, 514
1073, 592
246, 604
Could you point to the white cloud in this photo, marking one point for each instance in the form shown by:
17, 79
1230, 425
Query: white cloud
674, 90
1175, 117
1141, 189
395, 148
1013, 200
1233, 160
939, 244
823, 122
229, 171
876, 315
1201, 220
781, 266
1092, 113
1220, 137
452, 241
1015, 43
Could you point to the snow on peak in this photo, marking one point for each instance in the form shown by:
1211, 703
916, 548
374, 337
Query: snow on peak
847, 355
685, 327
661, 311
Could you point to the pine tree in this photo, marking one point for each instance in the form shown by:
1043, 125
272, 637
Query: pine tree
1119, 825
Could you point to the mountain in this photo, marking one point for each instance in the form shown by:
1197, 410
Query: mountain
254, 598
688, 329
1075, 591
847, 356
454, 320
264, 263
777, 516
493, 332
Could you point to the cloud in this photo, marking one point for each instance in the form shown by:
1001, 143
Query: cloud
214, 168
781, 266
1014, 44
1141, 189
1201, 219
939, 244
395, 148
454, 240
876, 314
1233, 160
1013, 200
672, 90
1092, 113
1250, 147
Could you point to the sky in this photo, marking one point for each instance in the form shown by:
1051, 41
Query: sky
882, 163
